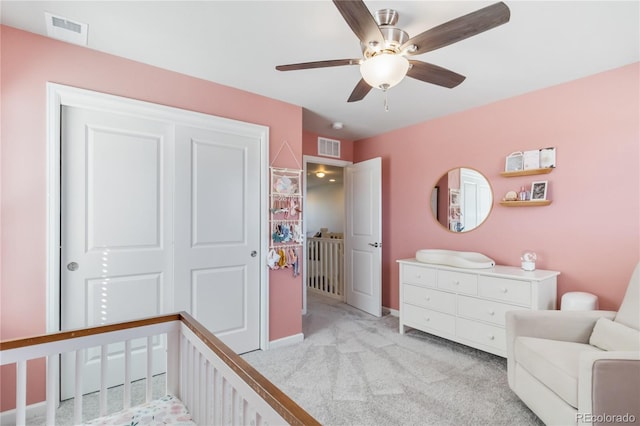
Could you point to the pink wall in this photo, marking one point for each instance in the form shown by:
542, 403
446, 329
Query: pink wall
310, 146
590, 231
28, 62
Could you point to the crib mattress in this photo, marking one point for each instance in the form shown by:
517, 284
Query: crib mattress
165, 410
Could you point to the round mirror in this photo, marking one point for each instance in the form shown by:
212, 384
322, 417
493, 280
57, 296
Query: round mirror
461, 199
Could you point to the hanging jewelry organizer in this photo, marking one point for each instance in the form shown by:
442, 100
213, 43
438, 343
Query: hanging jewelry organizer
285, 218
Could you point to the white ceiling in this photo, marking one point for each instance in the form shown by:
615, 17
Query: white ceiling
238, 44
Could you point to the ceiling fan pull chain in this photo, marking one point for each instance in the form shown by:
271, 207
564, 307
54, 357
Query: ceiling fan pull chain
386, 103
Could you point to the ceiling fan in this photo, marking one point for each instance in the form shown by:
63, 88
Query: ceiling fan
386, 49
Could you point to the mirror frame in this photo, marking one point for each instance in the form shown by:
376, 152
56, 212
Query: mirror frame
438, 197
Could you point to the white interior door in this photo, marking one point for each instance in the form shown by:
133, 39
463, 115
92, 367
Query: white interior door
218, 233
363, 236
116, 231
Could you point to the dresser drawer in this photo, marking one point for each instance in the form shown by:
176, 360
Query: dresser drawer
418, 275
458, 282
485, 334
484, 310
426, 319
513, 291
429, 298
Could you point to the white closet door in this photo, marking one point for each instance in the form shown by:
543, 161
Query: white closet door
217, 263
116, 231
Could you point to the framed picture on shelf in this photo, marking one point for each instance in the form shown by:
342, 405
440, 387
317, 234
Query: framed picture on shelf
454, 197
455, 213
548, 157
539, 190
514, 162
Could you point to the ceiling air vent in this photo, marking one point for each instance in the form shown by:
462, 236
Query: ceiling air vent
329, 147
61, 28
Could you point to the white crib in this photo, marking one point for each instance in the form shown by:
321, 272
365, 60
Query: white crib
215, 385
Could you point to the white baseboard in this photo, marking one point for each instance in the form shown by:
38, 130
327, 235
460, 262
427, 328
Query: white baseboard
286, 341
34, 410
392, 312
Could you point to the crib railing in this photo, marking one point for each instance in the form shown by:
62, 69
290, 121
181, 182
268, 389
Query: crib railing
215, 384
325, 266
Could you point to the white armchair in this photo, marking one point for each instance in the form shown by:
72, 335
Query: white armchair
578, 367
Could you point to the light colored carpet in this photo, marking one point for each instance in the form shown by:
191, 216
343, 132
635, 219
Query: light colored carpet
356, 369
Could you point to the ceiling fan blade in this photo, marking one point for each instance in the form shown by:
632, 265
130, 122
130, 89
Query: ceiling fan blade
318, 64
360, 20
434, 74
459, 29
360, 91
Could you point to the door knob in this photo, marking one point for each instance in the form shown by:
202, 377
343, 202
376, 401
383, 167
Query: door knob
73, 266
375, 244
254, 253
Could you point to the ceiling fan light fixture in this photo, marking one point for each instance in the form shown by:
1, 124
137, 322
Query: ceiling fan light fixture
385, 70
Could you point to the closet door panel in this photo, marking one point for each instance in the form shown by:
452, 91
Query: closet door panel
218, 194
217, 228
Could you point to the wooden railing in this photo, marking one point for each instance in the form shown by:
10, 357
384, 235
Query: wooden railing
325, 266
216, 385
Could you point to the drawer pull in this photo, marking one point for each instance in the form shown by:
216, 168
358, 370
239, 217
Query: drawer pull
492, 313
504, 289
418, 275
491, 337
427, 319
456, 282
427, 298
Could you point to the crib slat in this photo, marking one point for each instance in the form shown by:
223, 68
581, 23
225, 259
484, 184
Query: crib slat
126, 398
209, 419
237, 416
173, 363
183, 368
194, 408
21, 392
149, 368
202, 391
189, 377
52, 380
77, 400
103, 380
226, 401
217, 398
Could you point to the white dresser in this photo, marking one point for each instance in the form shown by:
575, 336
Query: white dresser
468, 305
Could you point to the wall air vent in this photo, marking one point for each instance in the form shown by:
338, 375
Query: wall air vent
329, 147
61, 28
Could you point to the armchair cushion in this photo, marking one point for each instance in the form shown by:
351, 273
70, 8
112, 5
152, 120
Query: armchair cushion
629, 312
554, 363
614, 336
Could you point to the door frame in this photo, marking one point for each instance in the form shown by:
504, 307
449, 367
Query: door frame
327, 162
60, 95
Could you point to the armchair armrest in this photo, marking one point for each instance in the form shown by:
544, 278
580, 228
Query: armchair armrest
570, 326
608, 384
